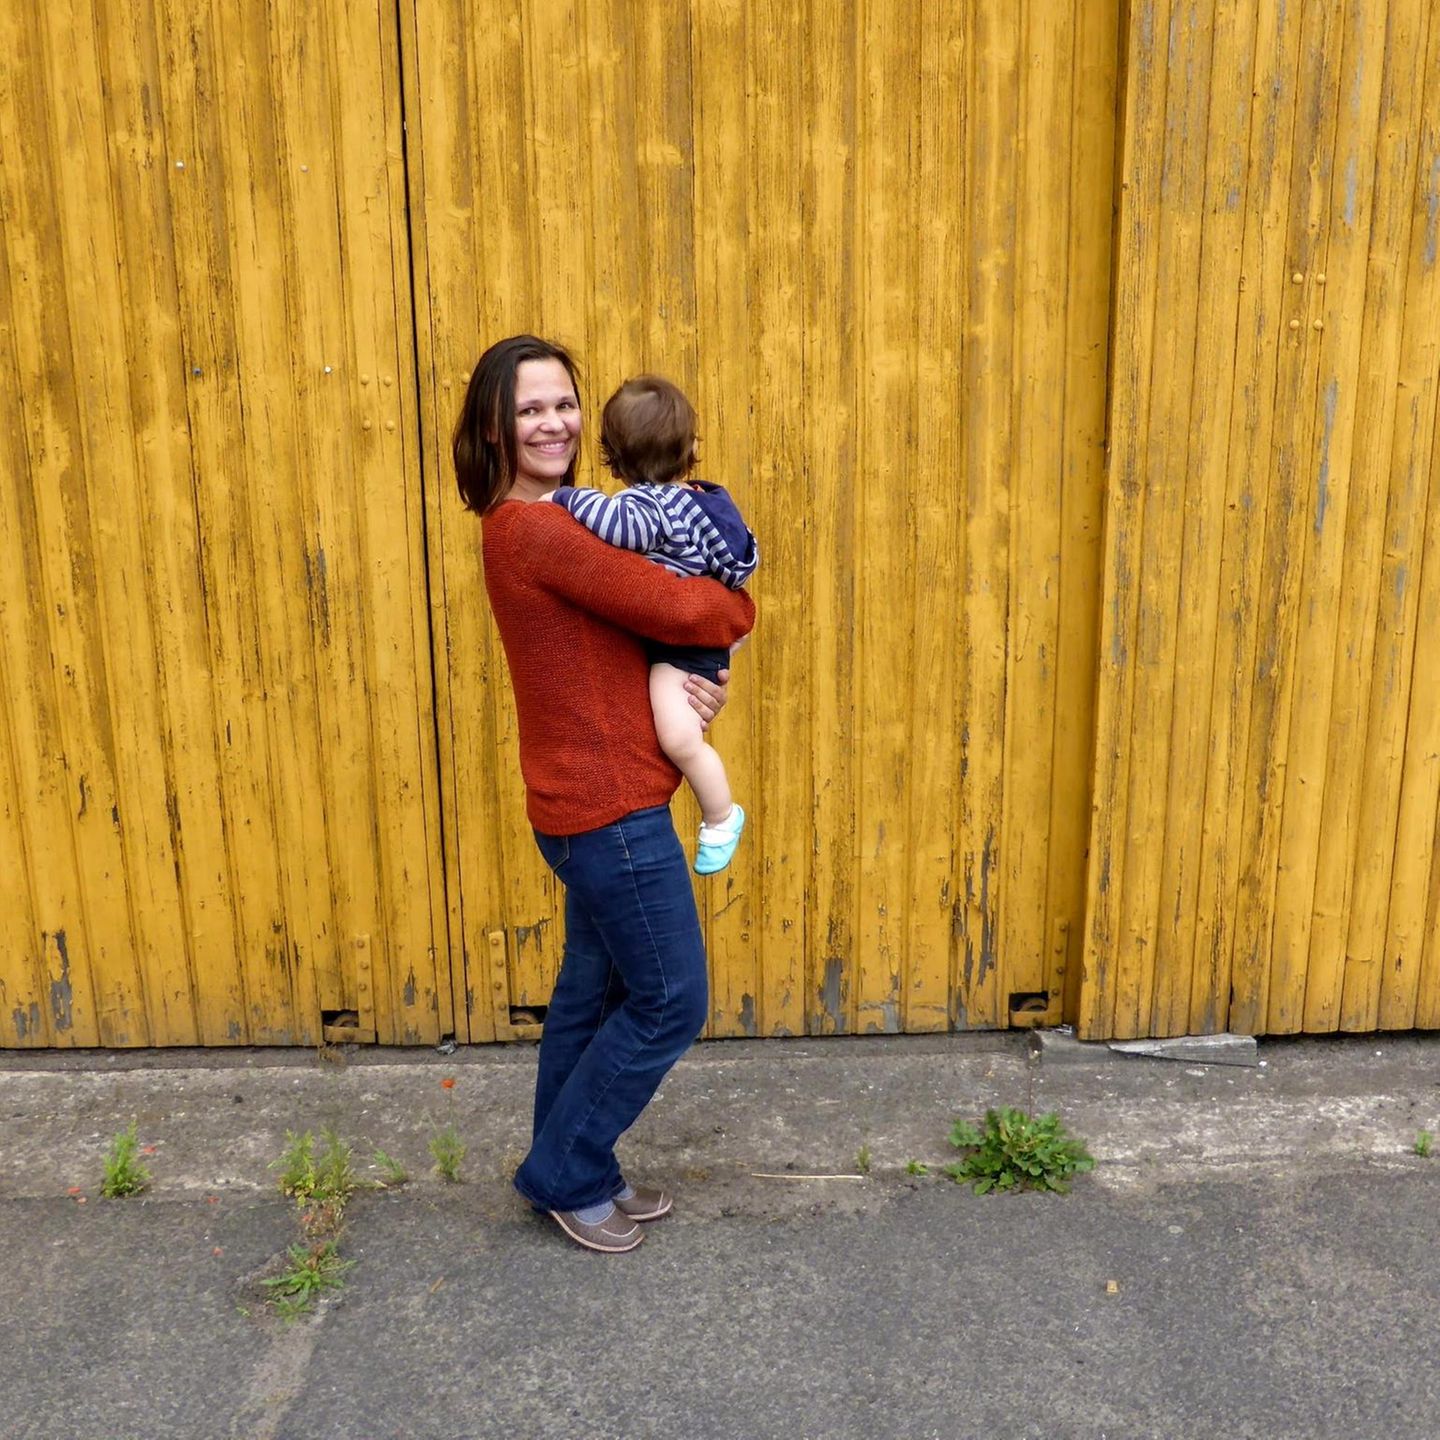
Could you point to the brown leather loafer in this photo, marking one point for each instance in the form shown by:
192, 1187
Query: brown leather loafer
645, 1203
613, 1235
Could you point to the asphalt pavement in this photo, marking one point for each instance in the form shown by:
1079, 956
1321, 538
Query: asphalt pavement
1254, 1254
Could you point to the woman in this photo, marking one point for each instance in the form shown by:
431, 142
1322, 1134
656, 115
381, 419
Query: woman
573, 614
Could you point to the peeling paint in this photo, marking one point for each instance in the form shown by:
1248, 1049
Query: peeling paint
408, 994
747, 1014
27, 1021
62, 996
524, 932
1432, 212
1322, 499
233, 1030
989, 921
831, 1001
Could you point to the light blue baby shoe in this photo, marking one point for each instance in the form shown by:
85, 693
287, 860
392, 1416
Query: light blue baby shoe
718, 842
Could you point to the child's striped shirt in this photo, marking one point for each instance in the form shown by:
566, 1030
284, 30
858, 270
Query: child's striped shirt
690, 532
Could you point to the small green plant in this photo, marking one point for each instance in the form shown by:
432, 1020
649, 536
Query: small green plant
448, 1151
297, 1165
335, 1179
392, 1172
1016, 1151
916, 1167
862, 1159
1423, 1142
327, 1178
312, 1269
124, 1174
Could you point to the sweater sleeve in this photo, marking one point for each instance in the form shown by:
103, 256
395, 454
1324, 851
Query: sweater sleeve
631, 519
630, 591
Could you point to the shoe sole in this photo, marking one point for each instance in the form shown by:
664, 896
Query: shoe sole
589, 1244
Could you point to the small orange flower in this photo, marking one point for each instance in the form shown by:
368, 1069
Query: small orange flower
448, 1083
74, 1190
147, 1149
217, 1251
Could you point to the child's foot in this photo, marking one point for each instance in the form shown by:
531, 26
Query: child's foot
718, 842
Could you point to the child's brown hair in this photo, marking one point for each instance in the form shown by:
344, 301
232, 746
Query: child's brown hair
647, 432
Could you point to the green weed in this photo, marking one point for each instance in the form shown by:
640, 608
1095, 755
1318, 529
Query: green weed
124, 1174
916, 1167
1016, 1151
448, 1151
297, 1165
312, 1270
1423, 1142
328, 1179
862, 1159
392, 1172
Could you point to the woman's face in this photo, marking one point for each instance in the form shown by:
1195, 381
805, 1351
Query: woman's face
547, 425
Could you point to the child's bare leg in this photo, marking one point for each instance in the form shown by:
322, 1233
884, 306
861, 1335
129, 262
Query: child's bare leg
682, 739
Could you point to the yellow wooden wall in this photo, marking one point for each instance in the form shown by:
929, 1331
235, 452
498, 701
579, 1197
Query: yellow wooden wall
218, 812
873, 242
1263, 856
257, 753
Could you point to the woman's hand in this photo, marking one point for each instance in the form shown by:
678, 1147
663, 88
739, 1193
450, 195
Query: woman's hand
708, 699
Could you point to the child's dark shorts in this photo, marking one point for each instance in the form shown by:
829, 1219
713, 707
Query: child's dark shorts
693, 660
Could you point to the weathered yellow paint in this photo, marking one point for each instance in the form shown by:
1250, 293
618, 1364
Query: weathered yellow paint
217, 796
873, 243
249, 678
1262, 851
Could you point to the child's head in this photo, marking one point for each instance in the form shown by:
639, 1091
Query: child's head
647, 432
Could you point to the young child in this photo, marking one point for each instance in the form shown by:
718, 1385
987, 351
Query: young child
647, 439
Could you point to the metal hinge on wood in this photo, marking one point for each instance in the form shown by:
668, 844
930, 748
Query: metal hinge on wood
354, 1026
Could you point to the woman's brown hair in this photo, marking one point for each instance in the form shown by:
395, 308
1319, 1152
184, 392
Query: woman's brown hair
483, 446
647, 433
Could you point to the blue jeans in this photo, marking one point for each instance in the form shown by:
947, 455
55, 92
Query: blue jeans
631, 996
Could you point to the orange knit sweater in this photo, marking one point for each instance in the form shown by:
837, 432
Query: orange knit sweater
571, 610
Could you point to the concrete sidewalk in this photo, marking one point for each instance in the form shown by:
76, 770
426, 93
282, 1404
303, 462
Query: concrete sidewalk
1253, 1255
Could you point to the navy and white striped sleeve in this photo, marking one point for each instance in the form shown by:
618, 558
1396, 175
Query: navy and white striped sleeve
630, 520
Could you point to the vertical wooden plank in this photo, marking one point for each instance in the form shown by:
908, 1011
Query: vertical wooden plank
1401, 580
24, 1016
1091, 148
664, 240
1221, 210
1309, 162
140, 797
1377, 370
1043, 224
445, 150
26, 693
1110, 991
326, 541
390, 571
886, 425
68, 379
1146, 989
42, 885
1264, 287
774, 492
987, 367
831, 351
608, 204
1336, 317
235, 300
164, 525
937, 558
725, 286
1408, 992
